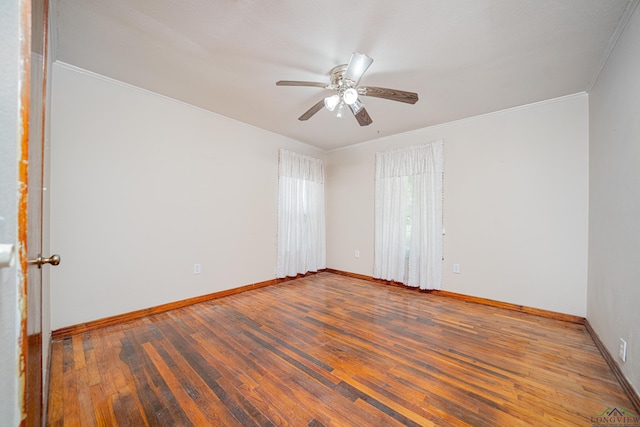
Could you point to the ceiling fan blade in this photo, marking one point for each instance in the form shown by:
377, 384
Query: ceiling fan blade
358, 64
360, 113
392, 94
311, 111
299, 83
362, 116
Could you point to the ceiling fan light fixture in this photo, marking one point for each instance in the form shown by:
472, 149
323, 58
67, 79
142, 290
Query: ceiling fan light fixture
350, 96
331, 102
344, 82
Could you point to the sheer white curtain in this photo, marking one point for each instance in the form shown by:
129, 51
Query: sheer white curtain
301, 223
408, 216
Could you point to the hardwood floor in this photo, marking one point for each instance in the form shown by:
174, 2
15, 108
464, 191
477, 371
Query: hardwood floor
328, 350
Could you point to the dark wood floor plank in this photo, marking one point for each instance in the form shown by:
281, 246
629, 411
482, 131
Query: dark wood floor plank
71, 409
86, 407
210, 376
191, 409
102, 406
155, 412
126, 409
328, 350
116, 381
55, 413
197, 389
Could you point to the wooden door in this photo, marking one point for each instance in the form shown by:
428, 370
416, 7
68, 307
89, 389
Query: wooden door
35, 14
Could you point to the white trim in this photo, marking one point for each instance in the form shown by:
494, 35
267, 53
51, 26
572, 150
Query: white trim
466, 119
137, 88
120, 83
613, 41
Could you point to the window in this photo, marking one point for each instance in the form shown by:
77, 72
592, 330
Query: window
301, 222
408, 216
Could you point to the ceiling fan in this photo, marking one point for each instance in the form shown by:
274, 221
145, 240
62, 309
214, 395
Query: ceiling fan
344, 79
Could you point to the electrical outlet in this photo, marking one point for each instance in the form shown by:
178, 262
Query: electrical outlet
196, 268
622, 351
456, 268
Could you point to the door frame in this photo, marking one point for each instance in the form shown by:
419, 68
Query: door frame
34, 60
15, 36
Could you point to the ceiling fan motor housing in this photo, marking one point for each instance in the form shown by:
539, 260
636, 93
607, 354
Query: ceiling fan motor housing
337, 74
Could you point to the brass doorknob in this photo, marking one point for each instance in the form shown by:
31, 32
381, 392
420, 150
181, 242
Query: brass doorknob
53, 260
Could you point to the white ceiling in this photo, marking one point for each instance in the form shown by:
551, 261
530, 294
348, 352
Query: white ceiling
462, 57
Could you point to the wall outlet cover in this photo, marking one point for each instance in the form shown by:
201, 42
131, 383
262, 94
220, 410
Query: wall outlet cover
622, 352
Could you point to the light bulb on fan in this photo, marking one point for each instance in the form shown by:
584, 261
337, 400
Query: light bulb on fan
350, 96
331, 102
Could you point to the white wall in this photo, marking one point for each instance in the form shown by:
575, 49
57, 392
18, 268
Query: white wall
143, 187
515, 204
614, 201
